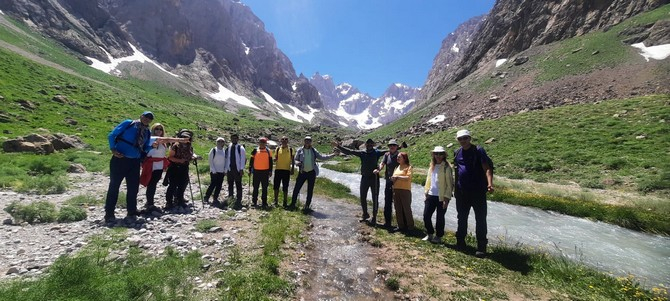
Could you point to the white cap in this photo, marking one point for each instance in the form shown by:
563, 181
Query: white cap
439, 149
308, 137
220, 139
463, 133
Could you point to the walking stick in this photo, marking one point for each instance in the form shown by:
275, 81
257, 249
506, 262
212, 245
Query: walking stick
197, 173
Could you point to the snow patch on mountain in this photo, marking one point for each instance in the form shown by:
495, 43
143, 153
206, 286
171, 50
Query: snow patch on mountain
500, 62
436, 119
224, 95
111, 67
658, 52
293, 113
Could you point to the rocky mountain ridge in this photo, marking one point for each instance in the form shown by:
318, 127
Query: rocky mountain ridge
205, 42
514, 26
359, 109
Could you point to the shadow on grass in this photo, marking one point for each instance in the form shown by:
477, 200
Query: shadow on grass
511, 260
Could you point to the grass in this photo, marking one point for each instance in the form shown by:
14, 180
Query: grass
257, 276
204, 225
565, 60
92, 276
84, 200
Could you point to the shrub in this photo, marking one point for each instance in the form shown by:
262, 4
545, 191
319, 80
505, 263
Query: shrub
205, 224
84, 200
37, 212
392, 283
71, 214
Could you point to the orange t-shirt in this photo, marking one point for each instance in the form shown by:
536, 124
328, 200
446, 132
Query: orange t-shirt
262, 159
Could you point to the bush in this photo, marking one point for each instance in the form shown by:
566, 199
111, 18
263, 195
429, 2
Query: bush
615, 163
205, 224
84, 200
46, 165
392, 283
71, 214
37, 212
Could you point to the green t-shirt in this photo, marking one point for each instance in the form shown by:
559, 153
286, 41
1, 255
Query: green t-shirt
308, 163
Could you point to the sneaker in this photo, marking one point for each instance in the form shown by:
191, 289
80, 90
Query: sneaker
436, 240
480, 254
428, 237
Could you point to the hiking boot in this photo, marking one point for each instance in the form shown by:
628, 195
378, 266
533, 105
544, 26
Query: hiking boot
480, 254
373, 222
110, 218
307, 210
130, 219
428, 237
168, 206
460, 244
217, 204
436, 240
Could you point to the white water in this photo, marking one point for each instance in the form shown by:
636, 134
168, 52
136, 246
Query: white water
610, 248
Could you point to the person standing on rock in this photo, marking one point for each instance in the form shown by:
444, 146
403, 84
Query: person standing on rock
390, 161
305, 158
217, 172
129, 142
260, 167
474, 178
402, 193
181, 155
438, 190
284, 169
236, 159
155, 163
369, 176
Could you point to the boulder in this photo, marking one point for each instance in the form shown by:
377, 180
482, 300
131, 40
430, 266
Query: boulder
22, 146
63, 141
76, 168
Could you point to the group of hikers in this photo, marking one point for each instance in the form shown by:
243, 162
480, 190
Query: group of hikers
141, 153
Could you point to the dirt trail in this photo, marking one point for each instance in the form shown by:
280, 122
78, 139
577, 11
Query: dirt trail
338, 263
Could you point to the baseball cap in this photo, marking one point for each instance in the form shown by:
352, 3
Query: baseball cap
263, 139
148, 114
463, 133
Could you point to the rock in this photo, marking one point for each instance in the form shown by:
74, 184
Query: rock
381, 270
214, 229
577, 50
76, 168
4, 118
494, 98
70, 121
595, 52
8, 221
490, 140
450, 145
12, 270
20, 146
60, 99
134, 241
27, 104
519, 60
454, 97
198, 235
640, 137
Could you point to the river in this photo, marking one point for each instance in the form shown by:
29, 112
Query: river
606, 247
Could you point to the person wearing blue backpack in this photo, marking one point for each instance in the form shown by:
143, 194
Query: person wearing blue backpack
129, 142
474, 178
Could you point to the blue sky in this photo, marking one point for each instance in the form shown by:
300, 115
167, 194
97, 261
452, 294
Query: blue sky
370, 44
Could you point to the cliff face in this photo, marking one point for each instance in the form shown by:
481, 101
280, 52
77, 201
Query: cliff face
516, 25
223, 36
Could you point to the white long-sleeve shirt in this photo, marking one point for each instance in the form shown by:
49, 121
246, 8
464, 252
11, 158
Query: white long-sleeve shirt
217, 160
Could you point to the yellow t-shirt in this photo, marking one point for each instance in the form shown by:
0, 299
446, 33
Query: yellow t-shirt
405, 184
283, 158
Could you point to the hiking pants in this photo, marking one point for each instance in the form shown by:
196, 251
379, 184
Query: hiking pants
120, 168
388, 202
281, 178
402, 199
477, 201
151, 187
310, 177
261, 177
370, 182
178, 183
433, 203
215, 184
234, 177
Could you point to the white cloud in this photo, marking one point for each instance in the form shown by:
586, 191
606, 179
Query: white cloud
137, 56
658, 52
224, 95
436, 119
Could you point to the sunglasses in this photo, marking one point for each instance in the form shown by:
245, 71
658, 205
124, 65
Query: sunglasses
158, 129
438, 154
463, 138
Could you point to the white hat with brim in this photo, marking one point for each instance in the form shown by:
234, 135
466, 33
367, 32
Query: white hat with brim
439, 149
220, 139
463, 133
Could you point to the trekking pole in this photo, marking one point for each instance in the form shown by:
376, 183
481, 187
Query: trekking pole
197, 173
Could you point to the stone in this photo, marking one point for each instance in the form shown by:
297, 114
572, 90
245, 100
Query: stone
60, 99
490, 140
214, 229
640, 137
520, 60
12, 270
76, 168
7, 221
494, 98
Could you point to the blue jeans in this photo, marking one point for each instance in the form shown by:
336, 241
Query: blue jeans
433, 203
477, 201
120, 168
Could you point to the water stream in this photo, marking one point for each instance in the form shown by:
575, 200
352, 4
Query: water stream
607, 247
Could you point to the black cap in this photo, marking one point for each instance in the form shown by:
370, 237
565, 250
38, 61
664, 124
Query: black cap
369, 141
